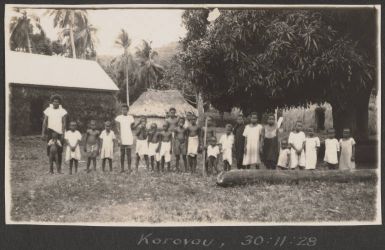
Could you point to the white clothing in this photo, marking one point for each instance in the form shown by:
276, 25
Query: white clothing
55, 118
164, 151
72, 138
125, 121
192, 145
332, 146
141, 147
283, 158
297, 140
152, 147
252, 135
213, 151
227, 142
346, 154
311, 145
108, 144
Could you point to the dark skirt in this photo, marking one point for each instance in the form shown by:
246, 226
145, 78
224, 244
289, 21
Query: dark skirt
270, 150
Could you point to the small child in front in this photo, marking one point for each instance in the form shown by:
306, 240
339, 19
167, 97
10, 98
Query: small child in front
284, 156
296, 142
193, 143
213, 152
91, 147
227, 141
332, 149
54, 145
153, 143
180, 144
348, 151
107, 138
73, 138
141, 149
312, 144
164, 148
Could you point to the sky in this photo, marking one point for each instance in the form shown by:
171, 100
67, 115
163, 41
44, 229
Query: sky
161, 26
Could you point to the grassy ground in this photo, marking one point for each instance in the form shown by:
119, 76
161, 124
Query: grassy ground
154, 198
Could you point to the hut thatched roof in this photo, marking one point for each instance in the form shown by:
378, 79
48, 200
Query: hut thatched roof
155, 103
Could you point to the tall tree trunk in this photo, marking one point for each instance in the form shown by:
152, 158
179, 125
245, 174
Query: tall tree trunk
72, 34
29, 43
127, 87
344, 118
200, 107
362, 115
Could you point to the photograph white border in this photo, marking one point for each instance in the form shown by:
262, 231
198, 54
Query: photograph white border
7, 179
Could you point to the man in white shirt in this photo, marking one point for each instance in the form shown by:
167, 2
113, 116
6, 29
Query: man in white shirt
125, 123
55, 119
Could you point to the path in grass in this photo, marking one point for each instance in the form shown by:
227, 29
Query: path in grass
155, 198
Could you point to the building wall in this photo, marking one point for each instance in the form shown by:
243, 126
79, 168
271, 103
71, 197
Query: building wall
81, 105
159, 121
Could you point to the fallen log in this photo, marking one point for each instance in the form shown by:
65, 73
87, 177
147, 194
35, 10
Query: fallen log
245, 177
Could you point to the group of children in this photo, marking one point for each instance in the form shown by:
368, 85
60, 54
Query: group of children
251, 144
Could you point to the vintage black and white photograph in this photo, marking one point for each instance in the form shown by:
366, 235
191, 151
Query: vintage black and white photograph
146, 115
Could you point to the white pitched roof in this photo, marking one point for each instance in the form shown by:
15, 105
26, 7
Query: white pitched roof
41, 70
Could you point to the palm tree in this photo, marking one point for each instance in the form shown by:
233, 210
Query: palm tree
68, 20
149, 71
85, 40
21, 29
124, 62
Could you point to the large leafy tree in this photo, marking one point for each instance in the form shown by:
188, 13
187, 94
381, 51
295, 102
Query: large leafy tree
149, 71
260, 59
69, 20
124, 67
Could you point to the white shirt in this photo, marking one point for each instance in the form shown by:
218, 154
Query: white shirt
212, 151
72, 137
125, 122
227, 141
297, 139
55, 118
332, 146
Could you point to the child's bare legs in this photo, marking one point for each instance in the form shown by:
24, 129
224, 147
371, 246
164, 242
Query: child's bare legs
177, 158
104, 164
184, 157
88, 164
226, 166
158, 166
152, 162
94, 162
129, 159
137, 161
191, 163
110, 163
71, 165
147, 163
122, 156
76, 166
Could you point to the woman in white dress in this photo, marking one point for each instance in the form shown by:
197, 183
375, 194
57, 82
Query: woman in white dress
312, 144
253, 142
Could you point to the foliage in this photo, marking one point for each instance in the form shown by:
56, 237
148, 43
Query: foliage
80, 105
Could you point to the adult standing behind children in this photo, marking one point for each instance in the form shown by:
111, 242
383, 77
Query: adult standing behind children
125, 123
253, 134
172, 119
55, 119
270, 143
239, 141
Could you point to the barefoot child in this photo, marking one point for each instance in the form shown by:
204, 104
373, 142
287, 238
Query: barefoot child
125, 125
54, 146
142, 144
164, 148
296, 142
153, 143
332, 149
270, 143
284, 156
73, 138
193, 143
226, 144
253, 142
348, 151
213, 152
107, 138
180, 145
91, 147
312, 144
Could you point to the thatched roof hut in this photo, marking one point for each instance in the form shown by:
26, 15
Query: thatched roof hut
154, 104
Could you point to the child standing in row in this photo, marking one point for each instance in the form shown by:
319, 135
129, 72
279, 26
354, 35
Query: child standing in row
91, 147
284, 156
193, 143
296, 142
107, 138
153, 142
54, 146
312, 144
180, 144
348, 151
253, 142
212, 155
332, 150
227, 142
73, 138
164, 148
142, 144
